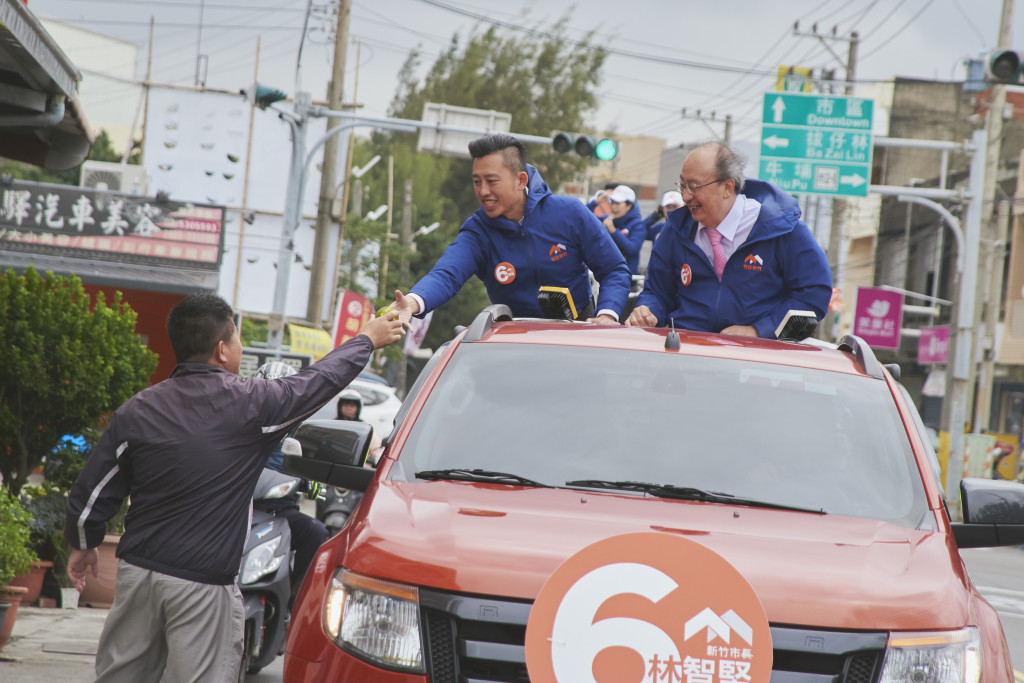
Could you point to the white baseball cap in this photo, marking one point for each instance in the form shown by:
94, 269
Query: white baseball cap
622, 193
672, 198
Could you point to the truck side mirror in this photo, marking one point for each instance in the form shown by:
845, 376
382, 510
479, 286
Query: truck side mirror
332, 452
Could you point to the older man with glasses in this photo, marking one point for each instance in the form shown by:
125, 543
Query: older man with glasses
736, 259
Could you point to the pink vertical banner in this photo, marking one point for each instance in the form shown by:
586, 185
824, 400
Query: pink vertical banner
879, 317
933, 346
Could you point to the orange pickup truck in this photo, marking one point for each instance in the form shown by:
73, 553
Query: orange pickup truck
579, 502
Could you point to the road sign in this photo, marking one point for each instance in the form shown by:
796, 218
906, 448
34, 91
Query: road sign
814, 143
451, 144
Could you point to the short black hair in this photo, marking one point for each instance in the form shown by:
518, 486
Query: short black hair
196, 324
513, 151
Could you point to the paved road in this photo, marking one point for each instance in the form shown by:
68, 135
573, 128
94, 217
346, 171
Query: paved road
999, 575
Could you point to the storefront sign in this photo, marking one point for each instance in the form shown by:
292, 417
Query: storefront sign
80, 222
879, 317
933, 347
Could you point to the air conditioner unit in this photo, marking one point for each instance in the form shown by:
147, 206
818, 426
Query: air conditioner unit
124, 178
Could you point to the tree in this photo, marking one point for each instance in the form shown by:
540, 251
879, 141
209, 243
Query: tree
68, 361
546, 83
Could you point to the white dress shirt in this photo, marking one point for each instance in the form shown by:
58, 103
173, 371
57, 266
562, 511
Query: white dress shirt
735, 227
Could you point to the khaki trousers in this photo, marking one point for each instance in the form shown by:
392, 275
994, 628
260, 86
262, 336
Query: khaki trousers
162, 628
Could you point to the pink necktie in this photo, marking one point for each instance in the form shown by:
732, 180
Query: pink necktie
716, 248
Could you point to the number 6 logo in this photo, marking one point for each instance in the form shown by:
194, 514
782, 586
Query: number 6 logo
647, 607
505, 273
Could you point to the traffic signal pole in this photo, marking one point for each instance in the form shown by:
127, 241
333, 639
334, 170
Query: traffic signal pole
989, 301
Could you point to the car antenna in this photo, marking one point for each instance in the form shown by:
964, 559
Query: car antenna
672, 340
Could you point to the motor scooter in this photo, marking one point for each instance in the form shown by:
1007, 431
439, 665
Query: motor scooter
264, 577
336, 507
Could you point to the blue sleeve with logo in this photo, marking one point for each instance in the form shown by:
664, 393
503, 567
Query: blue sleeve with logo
463, 259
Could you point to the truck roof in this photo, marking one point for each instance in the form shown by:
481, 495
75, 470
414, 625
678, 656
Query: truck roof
807, 354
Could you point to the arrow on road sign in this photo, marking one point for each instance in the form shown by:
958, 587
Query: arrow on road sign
777, 108
774, 141
856, 179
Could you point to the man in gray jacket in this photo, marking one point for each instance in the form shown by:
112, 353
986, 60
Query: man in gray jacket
188, 452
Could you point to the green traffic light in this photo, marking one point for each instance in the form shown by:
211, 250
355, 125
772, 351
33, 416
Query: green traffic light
606, 150
1004, 66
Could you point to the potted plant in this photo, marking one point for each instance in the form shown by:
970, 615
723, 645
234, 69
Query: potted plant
16, 556
69, 595
60, 470
47, 503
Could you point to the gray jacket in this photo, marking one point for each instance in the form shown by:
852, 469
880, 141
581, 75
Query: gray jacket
188, 451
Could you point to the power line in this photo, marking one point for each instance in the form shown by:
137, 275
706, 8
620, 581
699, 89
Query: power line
174, 24
898, 31
584, 44
205, 6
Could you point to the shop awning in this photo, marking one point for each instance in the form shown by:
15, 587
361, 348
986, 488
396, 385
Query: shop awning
41, 120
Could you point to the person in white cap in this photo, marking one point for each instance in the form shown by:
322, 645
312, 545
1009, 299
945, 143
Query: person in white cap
625, 225
670, 201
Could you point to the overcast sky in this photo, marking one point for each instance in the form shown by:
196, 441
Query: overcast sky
664, 56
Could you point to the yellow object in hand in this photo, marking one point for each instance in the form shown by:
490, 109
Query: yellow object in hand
384, 310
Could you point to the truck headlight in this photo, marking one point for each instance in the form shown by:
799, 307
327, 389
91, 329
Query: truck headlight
261, 560
376, 619
933, 657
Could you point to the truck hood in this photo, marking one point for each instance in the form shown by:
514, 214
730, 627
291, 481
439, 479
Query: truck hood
826, 570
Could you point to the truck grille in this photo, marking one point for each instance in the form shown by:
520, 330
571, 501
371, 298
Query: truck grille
480, 640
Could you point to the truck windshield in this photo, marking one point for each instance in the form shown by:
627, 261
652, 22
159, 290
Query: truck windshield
555, 414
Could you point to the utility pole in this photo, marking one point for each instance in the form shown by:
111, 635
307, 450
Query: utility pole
328, 175
403, 270
343, 214
382, 286
839, 206
245, 182
698, 116
993, 231
992, 298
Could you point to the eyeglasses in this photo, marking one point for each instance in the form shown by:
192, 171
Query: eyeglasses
692, 189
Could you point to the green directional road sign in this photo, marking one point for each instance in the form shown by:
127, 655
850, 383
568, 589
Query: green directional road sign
816, 177
814, 143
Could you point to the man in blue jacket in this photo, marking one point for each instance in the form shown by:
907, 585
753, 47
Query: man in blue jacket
625, 224
736, 259
522, 238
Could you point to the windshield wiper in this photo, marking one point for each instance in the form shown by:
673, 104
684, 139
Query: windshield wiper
686, 493
462, 474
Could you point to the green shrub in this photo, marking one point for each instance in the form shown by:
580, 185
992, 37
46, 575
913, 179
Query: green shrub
16, 554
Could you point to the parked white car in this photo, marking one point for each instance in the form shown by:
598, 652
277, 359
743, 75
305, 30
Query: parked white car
380, 405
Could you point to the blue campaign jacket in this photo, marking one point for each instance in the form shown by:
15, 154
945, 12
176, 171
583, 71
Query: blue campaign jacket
654, 223
556, 243
780, 267
630, 233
